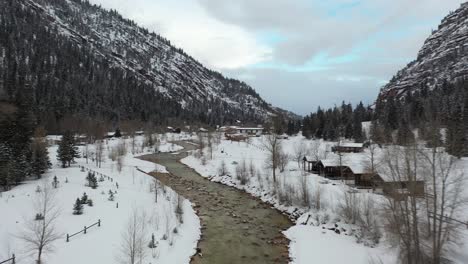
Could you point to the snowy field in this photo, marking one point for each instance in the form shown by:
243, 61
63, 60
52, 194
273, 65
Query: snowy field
176, 238
315, 235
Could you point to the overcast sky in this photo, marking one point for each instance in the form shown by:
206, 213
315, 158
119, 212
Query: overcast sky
297, 54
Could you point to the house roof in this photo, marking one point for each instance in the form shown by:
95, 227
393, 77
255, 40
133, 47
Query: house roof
250, 128
355, 161
351, 145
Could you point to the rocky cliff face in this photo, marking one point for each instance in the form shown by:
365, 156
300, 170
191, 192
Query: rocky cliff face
443, 57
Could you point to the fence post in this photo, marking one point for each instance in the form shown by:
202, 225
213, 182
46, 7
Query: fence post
68, 238
13, 258
117, 205
85, 229
99, 222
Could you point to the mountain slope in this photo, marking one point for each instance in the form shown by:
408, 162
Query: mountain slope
443, 57
77, 58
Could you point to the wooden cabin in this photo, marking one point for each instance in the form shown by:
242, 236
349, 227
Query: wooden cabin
403, 188
310, 165
348, 148
367, 180
235, 137
251, 131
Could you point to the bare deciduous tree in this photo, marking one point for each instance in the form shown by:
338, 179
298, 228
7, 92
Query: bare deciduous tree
40, 235
371, 157
305, 192
444, 199
120, 163
209, 144
252, 169
300, 151
424, 226
273, 147
86, 152
222, 170
179, 208
283, 160
99, 152
133, 244
350, 206
242, 173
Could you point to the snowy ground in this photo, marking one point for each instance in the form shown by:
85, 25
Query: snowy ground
133, 193
310, 237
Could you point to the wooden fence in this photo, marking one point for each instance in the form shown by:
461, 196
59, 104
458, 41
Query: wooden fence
97, 174
98, 223
12, 259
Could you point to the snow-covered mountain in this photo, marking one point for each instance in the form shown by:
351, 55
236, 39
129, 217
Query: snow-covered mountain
443, 57
172, 73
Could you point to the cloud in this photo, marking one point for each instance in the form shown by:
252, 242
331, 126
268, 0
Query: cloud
214, 43
320, 52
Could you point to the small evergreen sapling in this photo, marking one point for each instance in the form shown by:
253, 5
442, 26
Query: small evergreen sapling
152, 243
78, 207
55, 182
84, 198
90, 203
111, 196
92, 181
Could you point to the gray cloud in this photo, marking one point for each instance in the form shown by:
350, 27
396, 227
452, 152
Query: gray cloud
382, 36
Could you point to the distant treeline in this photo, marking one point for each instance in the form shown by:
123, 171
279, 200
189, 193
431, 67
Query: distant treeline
439, 115
338, 122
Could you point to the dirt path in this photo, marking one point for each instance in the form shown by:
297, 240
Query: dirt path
236, 228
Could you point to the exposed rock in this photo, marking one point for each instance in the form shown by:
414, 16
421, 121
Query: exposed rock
443, 57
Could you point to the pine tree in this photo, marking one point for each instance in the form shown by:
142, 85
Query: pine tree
84, 198
464, 127
455, 133
117, 133
40, 154
357, 130
67, 150
404, 134
92, 180
78, 207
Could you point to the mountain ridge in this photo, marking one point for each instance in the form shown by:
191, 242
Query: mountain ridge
442, 58
150, 60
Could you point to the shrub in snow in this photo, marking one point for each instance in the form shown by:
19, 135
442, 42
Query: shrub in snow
242, 173
152, 243
39, 216
55, 182
111, 196
222, 170
90, 202
78, 207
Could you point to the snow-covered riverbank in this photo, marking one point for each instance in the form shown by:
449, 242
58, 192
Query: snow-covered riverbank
134, 190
